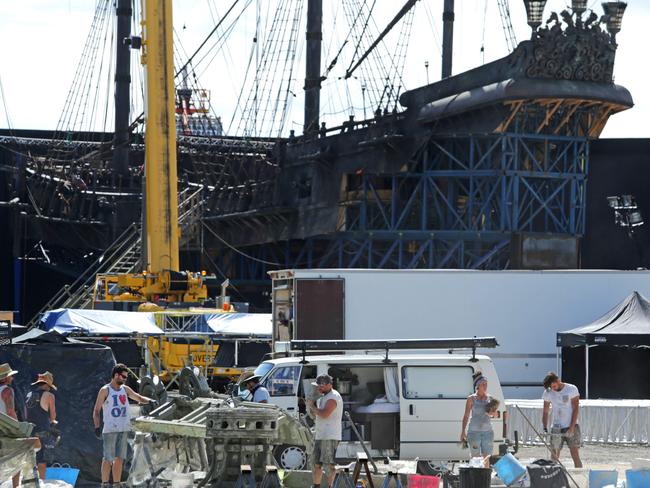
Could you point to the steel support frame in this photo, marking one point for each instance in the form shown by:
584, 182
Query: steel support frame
458, 205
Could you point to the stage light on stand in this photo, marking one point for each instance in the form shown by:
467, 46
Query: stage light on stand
628, 216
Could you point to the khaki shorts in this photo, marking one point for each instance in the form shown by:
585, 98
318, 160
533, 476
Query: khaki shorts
324, 451
559, 437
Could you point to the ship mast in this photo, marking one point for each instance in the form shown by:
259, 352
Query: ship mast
312, 71
447, 37
120, 161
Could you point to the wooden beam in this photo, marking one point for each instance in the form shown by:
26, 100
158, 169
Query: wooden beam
504, 125
566, 118
599, 124
549, 115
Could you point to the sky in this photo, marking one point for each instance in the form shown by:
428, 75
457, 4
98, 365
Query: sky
43, 41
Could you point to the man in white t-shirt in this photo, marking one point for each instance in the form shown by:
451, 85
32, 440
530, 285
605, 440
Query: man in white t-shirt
564, 400
259, 394
328, 414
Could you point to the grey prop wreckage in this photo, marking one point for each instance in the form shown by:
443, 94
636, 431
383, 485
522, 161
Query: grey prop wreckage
214, 436
17, 448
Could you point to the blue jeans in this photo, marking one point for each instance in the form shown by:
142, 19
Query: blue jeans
480, 443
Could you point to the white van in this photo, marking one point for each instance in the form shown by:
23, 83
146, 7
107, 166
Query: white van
404, 405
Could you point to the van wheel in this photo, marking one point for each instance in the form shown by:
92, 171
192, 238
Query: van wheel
428, 468
290, 457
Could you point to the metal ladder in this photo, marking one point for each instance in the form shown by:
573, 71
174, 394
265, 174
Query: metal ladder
122, 256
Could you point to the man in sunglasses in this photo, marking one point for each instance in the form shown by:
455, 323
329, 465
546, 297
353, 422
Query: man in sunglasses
112, 402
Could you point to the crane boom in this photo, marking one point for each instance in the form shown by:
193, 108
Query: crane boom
161, 221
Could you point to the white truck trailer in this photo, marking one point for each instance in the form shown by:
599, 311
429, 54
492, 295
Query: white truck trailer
523, 309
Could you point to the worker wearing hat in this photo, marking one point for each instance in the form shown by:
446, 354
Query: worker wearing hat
41, 411
328, 414
258, 392
7, 401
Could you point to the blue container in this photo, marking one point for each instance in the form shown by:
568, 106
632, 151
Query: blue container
599, 479
638, 478
509, 469
69, 475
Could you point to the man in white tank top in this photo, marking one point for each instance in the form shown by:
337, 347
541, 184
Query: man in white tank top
112, 402
328, 412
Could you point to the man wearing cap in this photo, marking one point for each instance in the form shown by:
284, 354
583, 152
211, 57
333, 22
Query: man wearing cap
112, 402
328, 414
41, 411
259, 394
7, 401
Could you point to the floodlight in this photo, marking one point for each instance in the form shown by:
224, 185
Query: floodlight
613, 202
635, 219
628, 201
534, 12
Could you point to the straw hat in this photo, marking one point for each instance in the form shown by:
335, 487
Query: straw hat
46, 378
6, 371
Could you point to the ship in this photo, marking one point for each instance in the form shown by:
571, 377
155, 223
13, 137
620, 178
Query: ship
486, 169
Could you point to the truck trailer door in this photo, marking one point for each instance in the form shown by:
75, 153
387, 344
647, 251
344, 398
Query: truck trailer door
432, 403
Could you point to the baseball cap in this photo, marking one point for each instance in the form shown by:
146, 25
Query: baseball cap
323, 379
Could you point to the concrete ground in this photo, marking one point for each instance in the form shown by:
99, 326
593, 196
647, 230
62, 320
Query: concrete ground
594, 456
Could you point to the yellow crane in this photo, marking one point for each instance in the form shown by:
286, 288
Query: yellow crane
161, 278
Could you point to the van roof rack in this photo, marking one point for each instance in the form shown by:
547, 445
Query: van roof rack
387, 344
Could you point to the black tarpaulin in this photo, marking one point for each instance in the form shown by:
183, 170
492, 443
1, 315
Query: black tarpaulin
80, 369
627, 324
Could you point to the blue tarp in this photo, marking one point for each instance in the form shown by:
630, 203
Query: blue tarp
99, 322
109, 323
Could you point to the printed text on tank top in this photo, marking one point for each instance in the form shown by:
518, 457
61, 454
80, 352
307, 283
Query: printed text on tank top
115, 410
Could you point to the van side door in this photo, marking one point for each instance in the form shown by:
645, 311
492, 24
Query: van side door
432, 404
282, 384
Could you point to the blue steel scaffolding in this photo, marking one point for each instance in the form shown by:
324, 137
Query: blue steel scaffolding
457, 204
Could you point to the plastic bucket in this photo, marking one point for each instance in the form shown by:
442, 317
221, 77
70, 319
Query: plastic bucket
509, 469
419, 481
638, 478
601, 478
69, 475
475, 477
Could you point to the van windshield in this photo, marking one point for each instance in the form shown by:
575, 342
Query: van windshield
263, 368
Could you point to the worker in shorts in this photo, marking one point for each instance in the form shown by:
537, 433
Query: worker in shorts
41, 411
564, 400
328, 414
113, 405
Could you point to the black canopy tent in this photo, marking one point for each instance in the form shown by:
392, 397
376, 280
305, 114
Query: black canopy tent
615, 348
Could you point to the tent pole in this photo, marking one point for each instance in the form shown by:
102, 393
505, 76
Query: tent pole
586, 371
